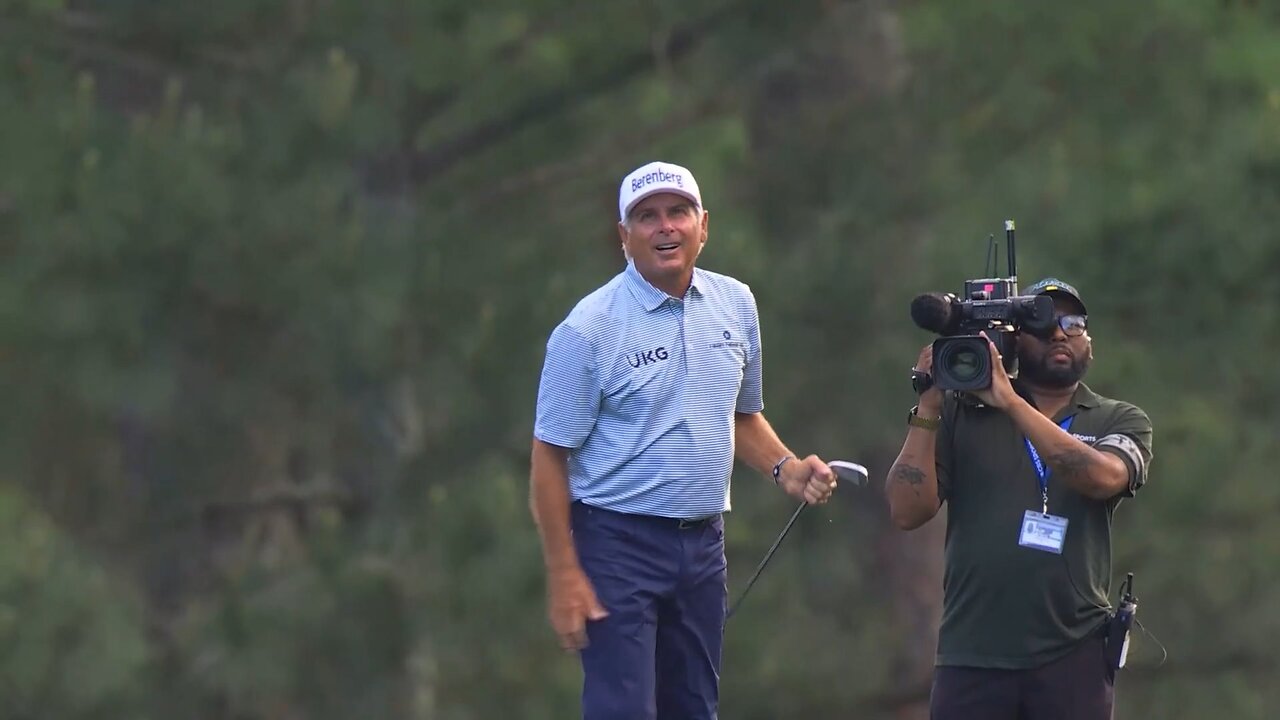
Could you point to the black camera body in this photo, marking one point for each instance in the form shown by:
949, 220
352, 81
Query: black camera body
961, 360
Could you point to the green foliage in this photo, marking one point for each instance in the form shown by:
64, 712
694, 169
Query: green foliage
73, 640
277, 279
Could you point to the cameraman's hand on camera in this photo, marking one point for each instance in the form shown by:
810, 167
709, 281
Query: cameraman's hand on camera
1000, 394
930, 405
809, 479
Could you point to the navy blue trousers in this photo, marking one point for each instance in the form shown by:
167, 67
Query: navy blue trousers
657, 655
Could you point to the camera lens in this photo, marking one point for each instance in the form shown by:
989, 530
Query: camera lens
962, 363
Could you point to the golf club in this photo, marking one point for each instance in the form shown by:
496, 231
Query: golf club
849, 472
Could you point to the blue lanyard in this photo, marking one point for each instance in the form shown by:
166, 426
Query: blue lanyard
1042, 471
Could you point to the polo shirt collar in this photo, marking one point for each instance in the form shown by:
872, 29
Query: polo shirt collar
1083, 397
650, 297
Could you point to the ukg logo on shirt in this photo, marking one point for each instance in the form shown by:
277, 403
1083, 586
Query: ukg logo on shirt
640, 359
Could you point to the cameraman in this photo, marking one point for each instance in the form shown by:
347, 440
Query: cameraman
1032, 475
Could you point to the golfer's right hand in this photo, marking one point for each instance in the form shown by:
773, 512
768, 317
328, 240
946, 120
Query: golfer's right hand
571, 603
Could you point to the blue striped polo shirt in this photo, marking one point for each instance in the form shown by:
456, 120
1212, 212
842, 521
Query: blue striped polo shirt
642, 388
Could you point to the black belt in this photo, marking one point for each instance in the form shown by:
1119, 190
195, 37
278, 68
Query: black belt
692, 523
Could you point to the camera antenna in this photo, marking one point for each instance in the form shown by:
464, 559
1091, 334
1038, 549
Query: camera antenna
993, 246
1013, 258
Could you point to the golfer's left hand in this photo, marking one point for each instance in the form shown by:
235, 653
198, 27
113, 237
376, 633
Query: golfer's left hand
808, 479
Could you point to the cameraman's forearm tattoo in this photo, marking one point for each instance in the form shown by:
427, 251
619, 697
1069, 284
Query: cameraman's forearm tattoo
1072, 463
907, 475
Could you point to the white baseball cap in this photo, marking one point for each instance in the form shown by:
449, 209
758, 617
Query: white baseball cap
654, 178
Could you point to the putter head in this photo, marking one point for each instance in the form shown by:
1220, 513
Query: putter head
849, 472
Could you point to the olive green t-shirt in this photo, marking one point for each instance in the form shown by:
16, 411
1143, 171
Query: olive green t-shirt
1008, 606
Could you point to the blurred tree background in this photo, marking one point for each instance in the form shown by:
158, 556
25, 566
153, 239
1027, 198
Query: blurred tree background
276, 280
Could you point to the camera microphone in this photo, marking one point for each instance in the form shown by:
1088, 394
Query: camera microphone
936, 312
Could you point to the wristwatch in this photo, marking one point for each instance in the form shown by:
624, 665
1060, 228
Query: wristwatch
777, 468
915, 420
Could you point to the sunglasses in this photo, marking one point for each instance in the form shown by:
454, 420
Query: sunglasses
1072, 326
